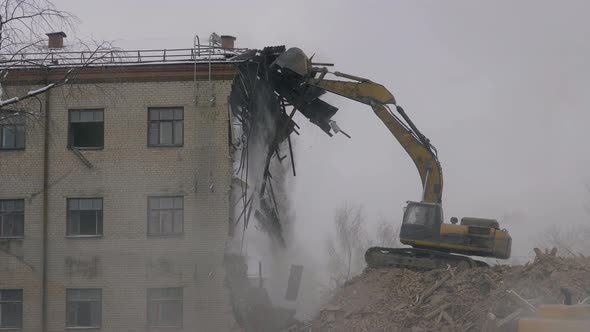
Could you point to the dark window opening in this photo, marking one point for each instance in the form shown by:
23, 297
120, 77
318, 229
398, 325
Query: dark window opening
12, 218
12, 130
84, 217
83, 307
86, 129
165, 215
11, 308
164, 307
165, 126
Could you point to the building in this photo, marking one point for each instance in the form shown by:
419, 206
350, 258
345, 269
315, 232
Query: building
114, 193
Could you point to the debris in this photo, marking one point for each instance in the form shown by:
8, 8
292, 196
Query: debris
447, 318
400, 307
431, 290
451, 271
332, 308
488, 278
251, 305
294, 282
490, 323
509, 318
439, 310
266, 93
526, 303
407, 300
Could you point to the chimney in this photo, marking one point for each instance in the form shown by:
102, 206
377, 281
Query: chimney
227, 41
56, 39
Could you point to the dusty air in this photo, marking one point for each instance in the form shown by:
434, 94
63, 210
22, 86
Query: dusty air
307, 167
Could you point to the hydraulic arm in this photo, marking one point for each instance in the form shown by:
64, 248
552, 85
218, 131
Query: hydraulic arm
415, 143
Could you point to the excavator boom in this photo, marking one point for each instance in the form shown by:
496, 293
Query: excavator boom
416, 145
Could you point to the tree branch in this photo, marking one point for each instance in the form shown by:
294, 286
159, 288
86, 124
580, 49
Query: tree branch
72, 71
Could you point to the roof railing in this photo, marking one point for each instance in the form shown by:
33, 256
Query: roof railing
205, 53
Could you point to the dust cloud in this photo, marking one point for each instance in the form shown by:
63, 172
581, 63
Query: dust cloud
499, 88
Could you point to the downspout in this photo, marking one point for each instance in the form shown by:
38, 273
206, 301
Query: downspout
45, 209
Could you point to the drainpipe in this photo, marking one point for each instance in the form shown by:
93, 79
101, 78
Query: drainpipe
45, 209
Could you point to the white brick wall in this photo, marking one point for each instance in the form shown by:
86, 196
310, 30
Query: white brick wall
124, 174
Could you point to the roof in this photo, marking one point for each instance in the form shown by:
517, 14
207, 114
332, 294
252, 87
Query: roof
60, 33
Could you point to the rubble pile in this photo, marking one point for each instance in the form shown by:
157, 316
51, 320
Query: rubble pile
477, 299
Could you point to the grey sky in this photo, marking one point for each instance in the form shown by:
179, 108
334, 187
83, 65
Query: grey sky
500, 88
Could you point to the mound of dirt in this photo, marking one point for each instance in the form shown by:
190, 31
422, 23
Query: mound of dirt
478, 299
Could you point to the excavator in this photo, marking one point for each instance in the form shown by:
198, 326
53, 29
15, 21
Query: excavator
433, 242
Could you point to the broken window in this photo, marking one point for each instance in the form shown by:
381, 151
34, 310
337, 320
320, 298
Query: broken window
83, 307
165, 215
12, 218
164, 307
12, 130
11, 308
86, 129
165, 126
84, 217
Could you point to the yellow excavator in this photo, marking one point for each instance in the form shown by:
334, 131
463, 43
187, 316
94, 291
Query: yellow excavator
432, 241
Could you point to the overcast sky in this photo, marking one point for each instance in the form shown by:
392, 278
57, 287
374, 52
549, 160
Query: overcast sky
500, 88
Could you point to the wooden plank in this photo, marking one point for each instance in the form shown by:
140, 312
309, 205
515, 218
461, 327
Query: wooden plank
433, 288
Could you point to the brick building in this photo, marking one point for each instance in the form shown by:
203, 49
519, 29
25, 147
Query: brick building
114, 196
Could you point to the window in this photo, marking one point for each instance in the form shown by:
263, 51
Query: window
165, 126
12, 218
165, 215
86, 129
164, 307
11, 308
83, 307
12, 130
423, 214
84, 217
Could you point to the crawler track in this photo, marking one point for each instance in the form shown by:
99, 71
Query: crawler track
417, 259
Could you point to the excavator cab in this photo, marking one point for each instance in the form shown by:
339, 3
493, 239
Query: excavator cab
421, 221
425, 214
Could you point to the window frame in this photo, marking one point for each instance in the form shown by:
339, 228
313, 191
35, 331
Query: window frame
22, 123
149, 121
149, 210
68, 218
70, 133
21, 302
2, 237
149, 321
100, 311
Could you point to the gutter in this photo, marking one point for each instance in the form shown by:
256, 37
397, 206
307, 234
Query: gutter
45, 211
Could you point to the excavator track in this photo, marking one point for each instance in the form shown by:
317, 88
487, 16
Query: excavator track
417, 259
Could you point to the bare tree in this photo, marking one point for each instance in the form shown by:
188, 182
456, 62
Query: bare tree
347, 245
23, 25
387, 234
569, 241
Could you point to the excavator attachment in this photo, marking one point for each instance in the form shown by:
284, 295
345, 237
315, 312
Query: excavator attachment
294, 60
